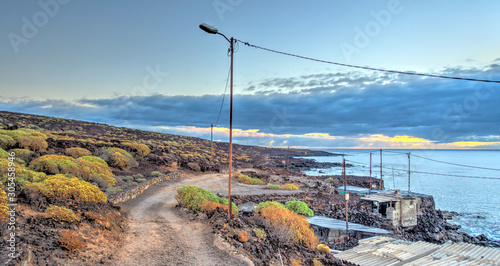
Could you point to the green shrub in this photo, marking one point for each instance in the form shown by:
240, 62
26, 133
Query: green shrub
93, 159
273, 186
249, 180
267, 204
61, 214
77, 152
4, 154
192, 197
23, 175
329, 180
142, 149
117, 157
292, 186
7, 141
60, 186
299, 207
23, 154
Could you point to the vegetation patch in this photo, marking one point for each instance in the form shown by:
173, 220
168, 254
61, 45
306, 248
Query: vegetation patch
77, 152
61, 214
117, 157
193, 197
292, 186
249, 180
70, 240
3, 206
299, 207
267, 204
273, 186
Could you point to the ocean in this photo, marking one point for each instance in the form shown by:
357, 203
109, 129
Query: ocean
464, 181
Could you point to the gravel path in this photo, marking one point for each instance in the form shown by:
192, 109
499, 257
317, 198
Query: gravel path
160, 234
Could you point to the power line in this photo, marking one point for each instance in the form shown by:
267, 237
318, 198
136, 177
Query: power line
456, 164
369, 68
223, 97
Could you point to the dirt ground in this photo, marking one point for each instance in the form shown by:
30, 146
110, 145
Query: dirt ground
160, 234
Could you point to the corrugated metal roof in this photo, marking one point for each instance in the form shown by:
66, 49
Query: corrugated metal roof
389, 251
340, 224
381, 197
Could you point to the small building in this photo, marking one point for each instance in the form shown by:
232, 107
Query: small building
397, 206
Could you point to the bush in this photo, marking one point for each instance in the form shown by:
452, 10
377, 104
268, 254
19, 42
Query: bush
207, 206
34, 143
7, 141
77, 152
299, 207
4, 153
14, 134
249, 181
329, 180
61, 214
243, 237
23, 154
4, 216
70, 240
23, 175
60, 164
273, 186
93, 159
192, 197
268, 204
302, 233
142, 149
117, 157
323, 248
261, 234
60, 186
290, 187
317, 263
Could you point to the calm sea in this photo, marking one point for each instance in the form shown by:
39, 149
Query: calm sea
474, 192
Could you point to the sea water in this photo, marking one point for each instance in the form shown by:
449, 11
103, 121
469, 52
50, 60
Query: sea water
459, 180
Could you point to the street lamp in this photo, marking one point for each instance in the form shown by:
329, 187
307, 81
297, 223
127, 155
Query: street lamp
212, 30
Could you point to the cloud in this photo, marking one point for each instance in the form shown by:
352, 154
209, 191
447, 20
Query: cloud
326, 109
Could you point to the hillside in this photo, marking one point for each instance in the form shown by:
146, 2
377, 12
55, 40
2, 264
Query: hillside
66, 170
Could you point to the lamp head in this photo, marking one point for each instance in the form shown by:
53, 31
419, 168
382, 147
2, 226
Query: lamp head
209, 29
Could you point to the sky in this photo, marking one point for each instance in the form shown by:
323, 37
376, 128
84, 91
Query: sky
147, 65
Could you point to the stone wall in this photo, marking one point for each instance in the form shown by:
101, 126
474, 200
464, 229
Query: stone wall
125, 196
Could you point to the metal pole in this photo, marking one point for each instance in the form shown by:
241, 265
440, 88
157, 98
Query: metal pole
212, 132
230, 131
380, 168
287, 157
409, 171
370, 173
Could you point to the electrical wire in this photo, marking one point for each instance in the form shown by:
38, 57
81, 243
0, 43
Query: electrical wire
223, 97
456, 164
369, 68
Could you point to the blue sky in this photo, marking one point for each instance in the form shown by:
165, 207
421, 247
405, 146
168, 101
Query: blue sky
147, 65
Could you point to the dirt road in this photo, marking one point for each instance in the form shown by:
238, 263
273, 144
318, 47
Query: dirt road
161, 234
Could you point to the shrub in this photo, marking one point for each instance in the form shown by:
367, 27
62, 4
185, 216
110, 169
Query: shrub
290, 186
77, 152
70, 240
261, 234
317, 263
113, 190
329, 180
55, 164
142, 149
323, 248
210, 206
3, 206
299, 207
243, 237
23, 175
3, 153
273, 186
23, 154
192, 197
117, 157
89, 170
61, 214
14, 134
93, 216
249, 181
295, 262
155, 173
267, 204
93, 159
60, 186
7, 141
34, 143
299, 225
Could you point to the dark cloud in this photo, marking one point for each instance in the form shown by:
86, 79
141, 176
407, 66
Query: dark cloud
348, 105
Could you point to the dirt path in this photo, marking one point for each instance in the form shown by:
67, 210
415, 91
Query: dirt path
161, 234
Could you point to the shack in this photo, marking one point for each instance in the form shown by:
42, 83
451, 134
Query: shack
398, 206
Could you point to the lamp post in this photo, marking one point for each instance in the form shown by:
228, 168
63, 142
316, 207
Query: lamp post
212, 30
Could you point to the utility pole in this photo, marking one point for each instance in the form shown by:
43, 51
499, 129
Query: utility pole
346, 194
409, 171
212, 132
231, 131
380, 168
370, 192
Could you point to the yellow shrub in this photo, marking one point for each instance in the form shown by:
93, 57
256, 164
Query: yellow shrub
290, 187
34, 143
299, 225
7, 141
61, 214
23, 175
90, 169
93, 159
3, 206
323, 248
60, 186
249, 181
77, 152
142, 149
317, 263
117, 157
